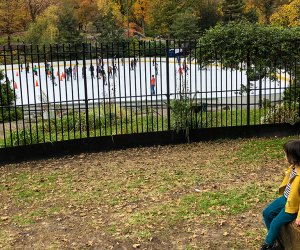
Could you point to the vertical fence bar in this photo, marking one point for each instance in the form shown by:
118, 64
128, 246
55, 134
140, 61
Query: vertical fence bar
47, 71
74, 76
109, 70
125, 62
151, 95
2, 106
41, 92
98, 72
69, 74
53, 89
15, 96
146, 84
248, 89
92, 74
20, 69
161, 83
85, 92
104, 82
7, 104
168, 85
135, 89
59, 88
141, 88
155, 70
34, 92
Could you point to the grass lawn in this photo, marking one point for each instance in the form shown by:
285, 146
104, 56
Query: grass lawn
206, 195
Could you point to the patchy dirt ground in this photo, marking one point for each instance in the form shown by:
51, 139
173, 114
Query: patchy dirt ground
192, 196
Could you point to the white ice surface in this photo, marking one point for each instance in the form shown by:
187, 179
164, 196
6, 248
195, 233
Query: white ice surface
131, 84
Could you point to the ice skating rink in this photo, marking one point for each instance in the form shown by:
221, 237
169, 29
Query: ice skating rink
129, 85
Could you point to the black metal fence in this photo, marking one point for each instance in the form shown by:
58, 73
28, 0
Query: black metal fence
64, 92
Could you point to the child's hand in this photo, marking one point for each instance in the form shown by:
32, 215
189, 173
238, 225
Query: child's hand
297, 222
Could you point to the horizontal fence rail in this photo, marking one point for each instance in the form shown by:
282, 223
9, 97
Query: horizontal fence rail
65, 92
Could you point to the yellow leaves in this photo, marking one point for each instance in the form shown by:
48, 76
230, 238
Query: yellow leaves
12, 16
287, 15
140, 8
105, 6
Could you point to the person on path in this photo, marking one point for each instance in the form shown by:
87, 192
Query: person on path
285, 208
153, 83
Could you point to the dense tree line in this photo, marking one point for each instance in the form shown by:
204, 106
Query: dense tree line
64, 21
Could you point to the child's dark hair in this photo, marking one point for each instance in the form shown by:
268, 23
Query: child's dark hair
292, 150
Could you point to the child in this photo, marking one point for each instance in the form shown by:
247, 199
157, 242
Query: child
285, 208
153, 85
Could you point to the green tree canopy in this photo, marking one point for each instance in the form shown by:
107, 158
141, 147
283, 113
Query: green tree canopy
185, 25
105, 28
44, 30
266, 50
68, 24
238, 42
208, 13
233, 10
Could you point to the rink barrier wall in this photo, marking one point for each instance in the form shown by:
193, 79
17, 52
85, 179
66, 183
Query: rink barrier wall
119, 142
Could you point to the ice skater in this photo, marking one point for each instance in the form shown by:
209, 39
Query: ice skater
153, 83
156, 69
74, 73
115, 70
92, 69
27, 68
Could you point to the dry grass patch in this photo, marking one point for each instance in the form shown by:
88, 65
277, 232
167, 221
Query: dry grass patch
205, 195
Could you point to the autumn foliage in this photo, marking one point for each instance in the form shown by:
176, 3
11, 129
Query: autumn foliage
40, 21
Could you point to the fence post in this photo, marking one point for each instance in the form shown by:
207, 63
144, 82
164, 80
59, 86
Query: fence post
168, 85
86, 92
248, 88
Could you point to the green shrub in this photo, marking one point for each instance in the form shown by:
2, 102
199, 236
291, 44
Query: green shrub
181, 114
10, 114
282, 113
26, 137
7, 99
